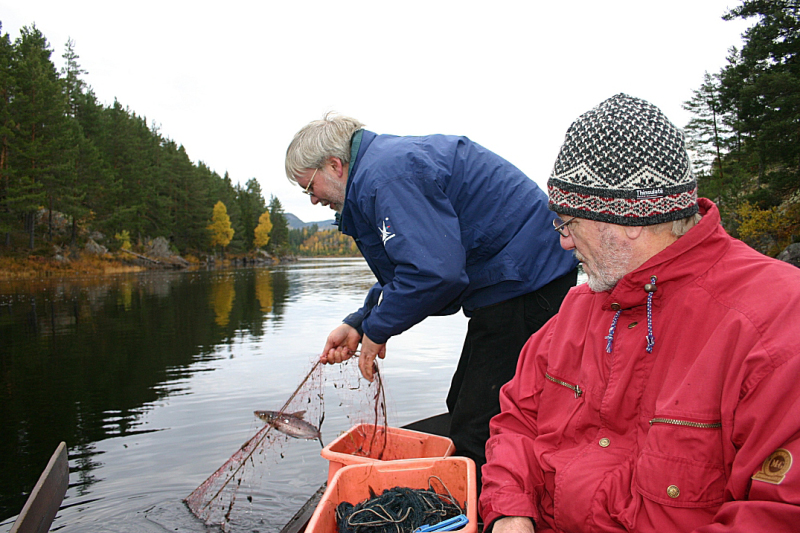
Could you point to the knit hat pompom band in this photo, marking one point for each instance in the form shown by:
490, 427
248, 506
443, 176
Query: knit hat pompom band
624, 163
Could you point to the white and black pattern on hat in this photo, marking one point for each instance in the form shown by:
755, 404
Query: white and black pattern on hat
625, 163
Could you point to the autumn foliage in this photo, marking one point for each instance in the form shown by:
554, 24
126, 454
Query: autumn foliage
220, 227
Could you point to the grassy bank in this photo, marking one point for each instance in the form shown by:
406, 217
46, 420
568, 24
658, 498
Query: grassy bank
34, 266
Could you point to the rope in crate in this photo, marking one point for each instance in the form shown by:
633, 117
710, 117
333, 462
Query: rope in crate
398, 510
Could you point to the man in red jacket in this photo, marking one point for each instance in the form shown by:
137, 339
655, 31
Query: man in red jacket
664, 396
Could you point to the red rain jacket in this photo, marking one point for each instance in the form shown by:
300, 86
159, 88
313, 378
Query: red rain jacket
697, 435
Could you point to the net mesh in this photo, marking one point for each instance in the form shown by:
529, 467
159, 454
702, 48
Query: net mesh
224, 499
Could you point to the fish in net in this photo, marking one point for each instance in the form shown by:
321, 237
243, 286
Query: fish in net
398, 510
226, 497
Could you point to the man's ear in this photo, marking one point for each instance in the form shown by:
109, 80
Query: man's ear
633, 232
336, 166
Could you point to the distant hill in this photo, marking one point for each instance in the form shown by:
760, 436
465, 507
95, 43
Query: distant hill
296, 223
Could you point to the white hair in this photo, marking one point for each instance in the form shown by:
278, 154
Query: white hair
318, 141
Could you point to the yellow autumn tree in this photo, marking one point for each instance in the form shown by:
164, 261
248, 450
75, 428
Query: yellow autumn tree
263, 230
220, 227
125, 238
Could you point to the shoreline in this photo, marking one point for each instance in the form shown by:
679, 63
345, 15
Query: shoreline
32, 267
35, 267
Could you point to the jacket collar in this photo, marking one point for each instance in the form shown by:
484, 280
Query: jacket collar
359, 144
683, 261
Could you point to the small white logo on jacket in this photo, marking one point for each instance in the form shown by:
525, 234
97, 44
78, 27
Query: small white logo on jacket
386, 232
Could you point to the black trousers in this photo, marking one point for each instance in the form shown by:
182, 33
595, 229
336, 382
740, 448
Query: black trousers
495, 337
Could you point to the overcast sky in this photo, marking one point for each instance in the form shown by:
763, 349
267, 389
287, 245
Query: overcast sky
233, 81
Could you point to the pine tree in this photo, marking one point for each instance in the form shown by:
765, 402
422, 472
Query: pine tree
188, 191
103, 187
7, 132
37, 152
757, 153
279, 236
251, 205
761, 85
71, 74
712, 139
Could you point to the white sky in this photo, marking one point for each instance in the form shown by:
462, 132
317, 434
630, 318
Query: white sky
233, 81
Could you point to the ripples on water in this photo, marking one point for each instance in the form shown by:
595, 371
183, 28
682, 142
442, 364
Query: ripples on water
152, 381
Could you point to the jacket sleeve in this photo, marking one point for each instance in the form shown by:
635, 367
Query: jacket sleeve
512, 478
764, 482
420, 233
355, 319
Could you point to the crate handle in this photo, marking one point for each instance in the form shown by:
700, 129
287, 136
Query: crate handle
451, 524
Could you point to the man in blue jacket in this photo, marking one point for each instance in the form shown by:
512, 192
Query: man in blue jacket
444, 224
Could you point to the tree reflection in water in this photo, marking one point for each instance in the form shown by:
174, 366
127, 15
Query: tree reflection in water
152, 382
83, 359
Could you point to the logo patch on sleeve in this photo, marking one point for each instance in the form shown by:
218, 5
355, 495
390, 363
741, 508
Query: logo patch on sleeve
775, 467
386, 231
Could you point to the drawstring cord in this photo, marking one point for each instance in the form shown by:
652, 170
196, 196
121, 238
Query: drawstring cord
610, 336
650, 288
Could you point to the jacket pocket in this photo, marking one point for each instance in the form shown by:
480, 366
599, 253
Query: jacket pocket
576, 389
561, 407
681, 464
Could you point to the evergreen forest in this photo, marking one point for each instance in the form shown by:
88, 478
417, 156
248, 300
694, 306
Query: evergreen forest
745, 128
73, 169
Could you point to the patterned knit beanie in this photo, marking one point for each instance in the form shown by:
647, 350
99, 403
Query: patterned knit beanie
624, 163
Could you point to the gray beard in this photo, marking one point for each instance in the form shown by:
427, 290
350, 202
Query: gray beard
610, 265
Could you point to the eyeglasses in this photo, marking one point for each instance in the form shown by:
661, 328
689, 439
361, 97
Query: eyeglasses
308, 190
562, 227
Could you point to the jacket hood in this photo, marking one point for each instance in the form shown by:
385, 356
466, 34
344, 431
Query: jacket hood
698, 250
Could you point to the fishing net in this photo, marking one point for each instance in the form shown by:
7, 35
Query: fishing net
398, 510
226, 498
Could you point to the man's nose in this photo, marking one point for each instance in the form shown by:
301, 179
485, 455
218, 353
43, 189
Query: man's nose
566, 242
314, 199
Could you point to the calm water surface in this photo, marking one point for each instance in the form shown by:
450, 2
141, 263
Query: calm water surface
152, 380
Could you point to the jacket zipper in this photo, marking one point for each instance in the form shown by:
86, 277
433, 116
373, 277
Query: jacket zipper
574, 388
687, 423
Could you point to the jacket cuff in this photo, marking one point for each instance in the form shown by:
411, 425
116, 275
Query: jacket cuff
507, 501
376, 337
354, 320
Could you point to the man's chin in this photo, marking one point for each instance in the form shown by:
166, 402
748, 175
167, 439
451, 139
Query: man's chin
598, 284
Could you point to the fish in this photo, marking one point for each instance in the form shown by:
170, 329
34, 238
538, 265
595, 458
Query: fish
291, 424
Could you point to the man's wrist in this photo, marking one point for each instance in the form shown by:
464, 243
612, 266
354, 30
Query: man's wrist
512, 524
354, 321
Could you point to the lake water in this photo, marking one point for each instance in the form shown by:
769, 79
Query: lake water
152, 379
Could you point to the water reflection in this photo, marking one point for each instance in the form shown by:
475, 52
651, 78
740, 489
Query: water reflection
83, 360
152, 381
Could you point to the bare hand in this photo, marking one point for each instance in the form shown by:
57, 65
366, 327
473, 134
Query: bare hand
513, 524
366, 361
341, 345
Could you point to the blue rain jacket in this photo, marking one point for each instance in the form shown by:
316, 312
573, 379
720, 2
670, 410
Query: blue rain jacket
444, 224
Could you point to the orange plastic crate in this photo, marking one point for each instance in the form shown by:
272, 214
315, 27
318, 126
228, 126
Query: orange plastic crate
364, 443
352, 484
